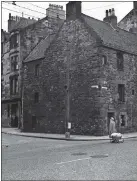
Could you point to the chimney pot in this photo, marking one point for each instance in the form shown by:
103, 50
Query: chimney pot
109, 12
113, 11
9, 16
106, 13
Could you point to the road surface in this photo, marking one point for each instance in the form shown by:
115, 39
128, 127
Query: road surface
25, 158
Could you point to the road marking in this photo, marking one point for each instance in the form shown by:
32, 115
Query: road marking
73, 161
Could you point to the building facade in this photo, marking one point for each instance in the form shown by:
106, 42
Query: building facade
86, 74
5, 73
24, 35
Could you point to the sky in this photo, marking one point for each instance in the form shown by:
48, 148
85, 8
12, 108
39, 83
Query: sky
92, 8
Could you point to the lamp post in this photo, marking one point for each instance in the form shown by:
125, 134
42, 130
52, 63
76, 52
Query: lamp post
67, 87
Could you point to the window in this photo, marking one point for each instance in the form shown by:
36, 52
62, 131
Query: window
13, 41
13, 86
121, 92
36, 97
14, 63
16, 85
123, 121
133, 92
34, 121
37, 70
120, 61
1, 68
104, 60
8, 108
1, 87
2, 48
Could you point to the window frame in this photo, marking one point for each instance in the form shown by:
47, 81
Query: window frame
121, 92
37, 70
36, 97
14, 88
120, 61
14, 63
104, 60
14, 41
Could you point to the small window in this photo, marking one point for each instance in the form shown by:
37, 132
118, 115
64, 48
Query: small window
133, 92
121, 92
37, 70
14, 63
36, 97
1, 68
16, 85
2, 48
123, 121
13, 41
120, 61
104, 60
8, 108
13, 86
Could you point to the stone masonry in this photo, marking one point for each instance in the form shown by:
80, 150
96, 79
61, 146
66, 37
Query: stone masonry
74, 69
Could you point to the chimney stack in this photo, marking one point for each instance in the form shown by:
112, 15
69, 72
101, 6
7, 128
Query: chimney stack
135, 4
110, 17
11, 22
73, 10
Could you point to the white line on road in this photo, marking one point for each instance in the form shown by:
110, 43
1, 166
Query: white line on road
73, 161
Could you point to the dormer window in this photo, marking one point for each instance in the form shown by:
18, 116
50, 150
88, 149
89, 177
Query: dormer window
120, 61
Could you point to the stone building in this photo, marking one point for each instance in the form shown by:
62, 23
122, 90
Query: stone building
5, 71
84, 75
129, 22
24, 35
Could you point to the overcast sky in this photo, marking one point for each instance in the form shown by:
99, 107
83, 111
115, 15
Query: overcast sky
94, 9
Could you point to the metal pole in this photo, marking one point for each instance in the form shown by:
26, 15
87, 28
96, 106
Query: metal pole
68, 95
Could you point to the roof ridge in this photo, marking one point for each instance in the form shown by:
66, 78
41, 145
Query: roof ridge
96, 19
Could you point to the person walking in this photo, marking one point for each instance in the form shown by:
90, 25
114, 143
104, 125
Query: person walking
112, 126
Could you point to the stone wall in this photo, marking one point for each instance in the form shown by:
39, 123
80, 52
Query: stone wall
76, 48
129, 22
109, 98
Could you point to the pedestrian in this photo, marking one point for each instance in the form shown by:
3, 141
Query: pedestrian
112, 126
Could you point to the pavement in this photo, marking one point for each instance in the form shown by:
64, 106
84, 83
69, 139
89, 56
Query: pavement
17, 132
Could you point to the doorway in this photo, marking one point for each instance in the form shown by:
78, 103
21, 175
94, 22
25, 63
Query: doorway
14, 115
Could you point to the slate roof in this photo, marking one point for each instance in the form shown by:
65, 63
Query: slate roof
118, 39
39, 51
22, 23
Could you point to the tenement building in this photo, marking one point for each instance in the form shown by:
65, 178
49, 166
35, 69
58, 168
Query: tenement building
85, 74
23, 36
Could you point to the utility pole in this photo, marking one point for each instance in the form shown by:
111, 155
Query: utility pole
67, 87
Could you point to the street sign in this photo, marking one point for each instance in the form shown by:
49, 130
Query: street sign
69, 125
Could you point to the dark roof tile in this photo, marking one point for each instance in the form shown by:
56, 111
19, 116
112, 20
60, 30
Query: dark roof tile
115, 38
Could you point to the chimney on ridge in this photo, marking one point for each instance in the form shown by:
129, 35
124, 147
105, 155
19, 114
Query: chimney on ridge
73, 10
110, 17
